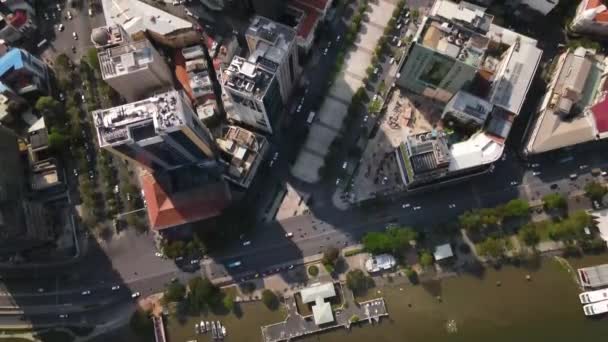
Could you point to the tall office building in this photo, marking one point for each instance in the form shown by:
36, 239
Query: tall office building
273, 45
160, 133
260, 85
132, 68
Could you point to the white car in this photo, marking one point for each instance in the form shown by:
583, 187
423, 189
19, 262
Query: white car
417, 207
405, 205
115, 288
274, 158
194, 262
63, 316
40, 290
452, 206
75, 172
338, 180
58, 7
75, 35
344, 165
86, 292
289, 235
338, 38
69, 15
60, 28
582, 167
90, 12
299, 109
325, 51
603, 173
246, 243
536, 173
158, 254
135, 295
513, 183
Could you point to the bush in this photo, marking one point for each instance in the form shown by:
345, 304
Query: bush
202, 293
330, 255
528, 235
354, 319
270, 299
228, 303
426, 259
554, 201
313, 270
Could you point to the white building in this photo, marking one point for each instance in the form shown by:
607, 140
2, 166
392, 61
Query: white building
133, 68
317, 293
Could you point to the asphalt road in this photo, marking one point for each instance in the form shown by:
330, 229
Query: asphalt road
129, 261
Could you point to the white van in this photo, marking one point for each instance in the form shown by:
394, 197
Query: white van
311, 117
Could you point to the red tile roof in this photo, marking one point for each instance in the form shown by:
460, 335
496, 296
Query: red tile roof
600, 114
317, 4
166, 210
311, 16
181, 74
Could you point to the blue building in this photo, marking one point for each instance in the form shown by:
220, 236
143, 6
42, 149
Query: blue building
23, 74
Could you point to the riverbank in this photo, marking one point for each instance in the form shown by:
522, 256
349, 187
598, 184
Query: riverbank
472, 308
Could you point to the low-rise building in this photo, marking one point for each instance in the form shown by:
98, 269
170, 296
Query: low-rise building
244, 151
467, 109
23, 74
574, 109
16, 26
45, 175
591, 17
317, 293
423, 158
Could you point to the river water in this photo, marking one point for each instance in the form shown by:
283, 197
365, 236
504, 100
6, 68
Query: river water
473, 308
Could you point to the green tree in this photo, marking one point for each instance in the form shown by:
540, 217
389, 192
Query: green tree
270, 299
141, 324
491, 247
228, 302
426, 259
516, 208
48, 105
358, 282
470, 221
595, 191
92, 58
174, 292
330, 256
57, 140
554, 201
202, 292
173, 249
528, 234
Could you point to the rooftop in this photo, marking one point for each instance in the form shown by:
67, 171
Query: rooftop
44, 175
193, 52
141, 119
318, 290
109, 35
428, 151
181, 198
125, 59
247, 77
135, 16
246, 150
273, 41
563, 119
454, 40
471, 105
309, 19
443, 252
463, 12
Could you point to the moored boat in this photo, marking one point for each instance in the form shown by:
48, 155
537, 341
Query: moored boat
593, 296
596, 308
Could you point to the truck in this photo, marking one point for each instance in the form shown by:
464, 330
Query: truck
596, 171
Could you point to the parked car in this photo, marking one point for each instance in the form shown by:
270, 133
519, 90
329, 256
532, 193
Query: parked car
68, 15
75, 35
289, 235
246, 243
115, 288
86, 292
60, 28
135, 295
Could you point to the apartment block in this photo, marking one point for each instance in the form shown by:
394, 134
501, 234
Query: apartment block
161, 132
134, 68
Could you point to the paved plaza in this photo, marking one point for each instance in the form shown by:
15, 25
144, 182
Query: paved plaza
333, 110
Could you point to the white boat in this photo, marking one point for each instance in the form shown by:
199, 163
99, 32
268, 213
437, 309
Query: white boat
207, 326
596, 308
593, 296
213, 330
219, 329
223, 331
196, 331
203, 328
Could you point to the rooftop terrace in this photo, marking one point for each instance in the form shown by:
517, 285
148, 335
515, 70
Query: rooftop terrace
141, 119
247, 77
455, 41
124, 59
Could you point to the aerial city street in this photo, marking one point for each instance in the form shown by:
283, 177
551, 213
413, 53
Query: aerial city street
243, 170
